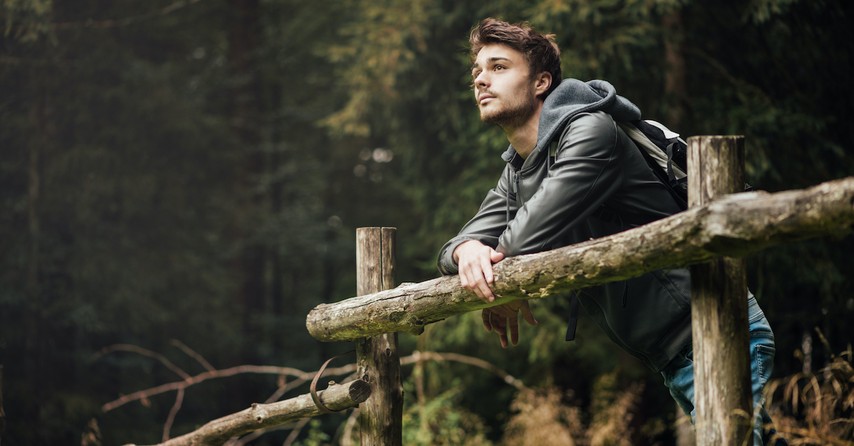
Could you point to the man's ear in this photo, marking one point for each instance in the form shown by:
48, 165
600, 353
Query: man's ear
542, 83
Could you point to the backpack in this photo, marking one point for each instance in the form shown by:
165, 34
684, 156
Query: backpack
665, 153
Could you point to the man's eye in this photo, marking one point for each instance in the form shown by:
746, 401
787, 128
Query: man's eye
499, 67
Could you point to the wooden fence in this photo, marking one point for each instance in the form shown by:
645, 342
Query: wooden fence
710, 236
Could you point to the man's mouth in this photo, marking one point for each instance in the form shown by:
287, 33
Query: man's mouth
484, 97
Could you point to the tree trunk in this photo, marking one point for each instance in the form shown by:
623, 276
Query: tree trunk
674, 73
37, 336
244, 30
734, 226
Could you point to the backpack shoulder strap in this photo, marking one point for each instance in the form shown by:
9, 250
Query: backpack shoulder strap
656, 153
660, 157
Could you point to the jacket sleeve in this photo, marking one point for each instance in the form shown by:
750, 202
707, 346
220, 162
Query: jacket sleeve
486, 226
585, 173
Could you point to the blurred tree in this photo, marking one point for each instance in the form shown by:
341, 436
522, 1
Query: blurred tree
140, 181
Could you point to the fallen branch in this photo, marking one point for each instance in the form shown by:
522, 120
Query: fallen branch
259, 416
735, 225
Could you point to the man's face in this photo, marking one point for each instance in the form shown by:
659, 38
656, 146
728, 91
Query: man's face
503, 86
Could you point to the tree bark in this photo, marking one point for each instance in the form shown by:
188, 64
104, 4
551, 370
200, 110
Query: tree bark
259, 416
735, 225
719, 305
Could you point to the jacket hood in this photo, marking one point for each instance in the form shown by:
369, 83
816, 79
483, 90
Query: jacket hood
572, 97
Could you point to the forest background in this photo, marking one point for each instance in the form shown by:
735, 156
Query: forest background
191, 173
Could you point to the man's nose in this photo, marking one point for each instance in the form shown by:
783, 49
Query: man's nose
481, 80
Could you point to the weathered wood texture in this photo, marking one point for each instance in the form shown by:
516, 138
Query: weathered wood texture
380, 417
734, 225
719, 305
260, 416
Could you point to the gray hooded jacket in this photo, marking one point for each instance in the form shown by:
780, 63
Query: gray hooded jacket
586, 179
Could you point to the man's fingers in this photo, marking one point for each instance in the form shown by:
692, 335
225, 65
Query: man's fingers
514, 329
486, 267
475, 268
464, 278
469, 281
497, 323
488, 277
504, 321
472, 278
485, 292
526, 313
484, 280
504, 310
486, 316
529, 318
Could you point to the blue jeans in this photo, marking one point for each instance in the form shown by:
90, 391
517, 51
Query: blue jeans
679, 374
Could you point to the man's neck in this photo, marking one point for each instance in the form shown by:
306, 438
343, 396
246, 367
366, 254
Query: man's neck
523, 137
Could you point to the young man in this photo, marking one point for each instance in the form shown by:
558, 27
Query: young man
572, 175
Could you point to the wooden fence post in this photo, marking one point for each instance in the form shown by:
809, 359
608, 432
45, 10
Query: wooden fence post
723, 399
381, 416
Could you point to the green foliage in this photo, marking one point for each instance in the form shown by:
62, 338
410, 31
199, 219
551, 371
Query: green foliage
315, 437
440, 420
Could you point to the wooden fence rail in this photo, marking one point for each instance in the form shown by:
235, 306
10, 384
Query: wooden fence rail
734, 225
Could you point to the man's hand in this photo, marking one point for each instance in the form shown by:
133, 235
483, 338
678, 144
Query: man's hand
501, 317
475, 261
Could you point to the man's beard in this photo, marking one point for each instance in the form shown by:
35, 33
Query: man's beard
512, 115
